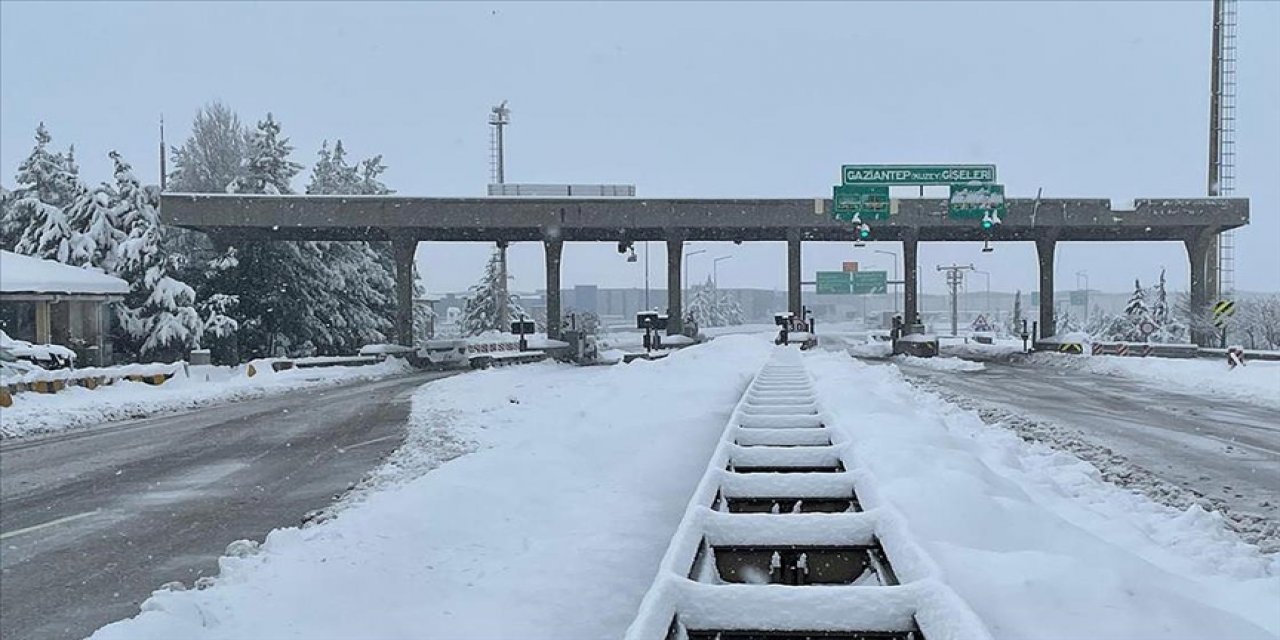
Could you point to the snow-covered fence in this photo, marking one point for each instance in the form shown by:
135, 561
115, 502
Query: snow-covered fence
53, 381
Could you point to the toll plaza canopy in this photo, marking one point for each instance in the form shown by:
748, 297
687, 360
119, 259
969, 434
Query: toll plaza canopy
406, 220
253, 217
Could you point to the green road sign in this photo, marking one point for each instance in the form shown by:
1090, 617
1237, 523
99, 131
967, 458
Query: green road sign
916, 174
1035, 298
871, 203
976, 201
1079, 298
870, 282
834, 282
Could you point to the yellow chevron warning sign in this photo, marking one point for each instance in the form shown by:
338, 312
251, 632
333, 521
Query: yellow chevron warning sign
1222, 310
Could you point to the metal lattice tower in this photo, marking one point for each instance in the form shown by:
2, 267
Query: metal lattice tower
1222, 139
499, 117
1227, 137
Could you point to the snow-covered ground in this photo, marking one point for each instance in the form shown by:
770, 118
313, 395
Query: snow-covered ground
1258, 382
551, 528
1033, 539
190, 388
563, 485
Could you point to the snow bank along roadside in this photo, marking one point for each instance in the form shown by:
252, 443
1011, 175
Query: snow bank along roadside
777, 448
1116, 468
1257, 382
549, 528
37, 413
1033, 539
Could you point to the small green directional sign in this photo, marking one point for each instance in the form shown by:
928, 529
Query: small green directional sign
976, 201
870, 282
867, 202
834, 282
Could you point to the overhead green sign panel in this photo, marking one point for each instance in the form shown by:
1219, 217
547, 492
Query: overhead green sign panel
868, 203
834, 282
976, 201
865, 282
1079, 298
916, 174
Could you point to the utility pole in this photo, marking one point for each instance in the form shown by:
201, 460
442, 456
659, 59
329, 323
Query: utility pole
1085, 275
499, 118
646, 275
955, 278
164, 178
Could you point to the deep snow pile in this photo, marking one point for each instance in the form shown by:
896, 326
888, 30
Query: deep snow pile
1033, 539
190, 388
940, 363
551, 528
1257, 382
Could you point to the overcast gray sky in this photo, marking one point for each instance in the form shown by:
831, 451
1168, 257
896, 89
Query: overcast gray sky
703, 100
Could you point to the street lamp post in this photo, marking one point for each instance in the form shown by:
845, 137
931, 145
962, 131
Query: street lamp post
691, 254
895, 275
715, 277
987, 275
1085, 275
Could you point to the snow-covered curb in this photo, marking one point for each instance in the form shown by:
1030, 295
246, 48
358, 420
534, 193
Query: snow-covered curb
1258, 382
37, 413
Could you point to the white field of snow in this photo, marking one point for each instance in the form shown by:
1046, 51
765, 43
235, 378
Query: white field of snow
190, 388
1032, 539
1257, 382
555, 523
552, 527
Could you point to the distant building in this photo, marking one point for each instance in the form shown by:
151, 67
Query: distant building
48, 302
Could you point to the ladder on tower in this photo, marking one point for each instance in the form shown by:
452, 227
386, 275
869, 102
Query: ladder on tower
1227, 137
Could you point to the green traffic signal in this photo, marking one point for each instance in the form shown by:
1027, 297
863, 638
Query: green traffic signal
864, 232
987, 223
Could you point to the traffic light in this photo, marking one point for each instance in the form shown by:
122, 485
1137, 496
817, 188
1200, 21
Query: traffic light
989, 220
864, 231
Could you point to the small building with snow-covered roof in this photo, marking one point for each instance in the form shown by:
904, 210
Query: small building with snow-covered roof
48, 302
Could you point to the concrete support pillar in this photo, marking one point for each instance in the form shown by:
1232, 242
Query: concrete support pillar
1200, 249
910, 279
553, 250
504, 297
1045, 248
794, 301
675, 308
402, 252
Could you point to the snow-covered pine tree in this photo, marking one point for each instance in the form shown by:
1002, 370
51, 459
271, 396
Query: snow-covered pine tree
158, 316
711, 307
214, 155
36, 223
281, 308
1136, 308
361, 282
1160, 306
481, 313
93, 223
1015, 321
210, 159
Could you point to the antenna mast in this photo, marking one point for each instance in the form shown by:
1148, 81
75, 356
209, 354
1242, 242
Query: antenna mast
164, 178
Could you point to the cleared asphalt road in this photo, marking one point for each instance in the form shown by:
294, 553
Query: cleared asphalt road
93, 521
1222, 448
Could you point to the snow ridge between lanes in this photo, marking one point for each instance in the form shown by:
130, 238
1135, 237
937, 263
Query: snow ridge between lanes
923, 598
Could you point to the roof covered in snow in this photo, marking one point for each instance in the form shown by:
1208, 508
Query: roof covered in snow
25, 274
